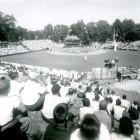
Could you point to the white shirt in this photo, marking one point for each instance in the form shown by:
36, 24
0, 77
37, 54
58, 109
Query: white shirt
15, 88
85, 110
63, 91
104, 134
95, 105
118, 111
7, 104
31, 92
114, 98
125, 103
50, 102
117, 136
109, 108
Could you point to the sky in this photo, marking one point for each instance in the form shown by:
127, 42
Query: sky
35, 14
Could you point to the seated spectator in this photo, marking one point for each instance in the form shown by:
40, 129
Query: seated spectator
118, 110
125, 130
11, 110
86, 109
125, 103
102, 114
16, 87
51, 100
114, 97
33, 94
95, 103
110, 106
64, 89
61, 129
134, 115
91, 129
89, 94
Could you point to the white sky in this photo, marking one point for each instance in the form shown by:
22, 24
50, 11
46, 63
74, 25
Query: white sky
35, 14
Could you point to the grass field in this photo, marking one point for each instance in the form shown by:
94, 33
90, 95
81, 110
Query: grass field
65, 62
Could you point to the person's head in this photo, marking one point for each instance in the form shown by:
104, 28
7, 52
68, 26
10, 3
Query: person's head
97, 97
103, 105
33, 75
86, 102
4, 87
126, 126
13, 75
112, 93
110, 100
134, 114
118, 102
60, 113
88, 89
70, 92
107, 99
55, 89
90, 127
124, 97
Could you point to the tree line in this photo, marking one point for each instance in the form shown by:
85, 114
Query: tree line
101, 31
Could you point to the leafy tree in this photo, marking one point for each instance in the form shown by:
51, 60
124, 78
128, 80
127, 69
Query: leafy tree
48, 30
103, 31
79, 29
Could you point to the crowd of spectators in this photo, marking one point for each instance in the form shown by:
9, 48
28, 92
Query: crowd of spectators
28, 46
12, 49
133, 46
71, 108
35, 45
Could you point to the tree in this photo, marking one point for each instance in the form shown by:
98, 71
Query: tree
128, 26
79, 29
103, 31
48, 30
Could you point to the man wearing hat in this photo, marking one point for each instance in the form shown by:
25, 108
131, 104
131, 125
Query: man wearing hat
102, 114
51, 100
33, 94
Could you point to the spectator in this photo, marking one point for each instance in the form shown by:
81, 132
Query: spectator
11, 111
16, 87
86, 109
134, 114
62, 128
114, 97
95, 103
33, 94
51, 100
125, 103
91, 129
125, 130
110, 106
102, 115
